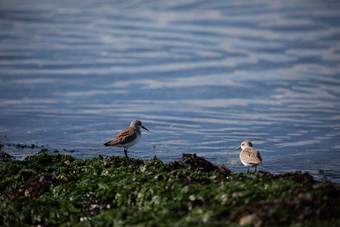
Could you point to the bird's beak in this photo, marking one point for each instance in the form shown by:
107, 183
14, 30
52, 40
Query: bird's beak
145, 128
239, 148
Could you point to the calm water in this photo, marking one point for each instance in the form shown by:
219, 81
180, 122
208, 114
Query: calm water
201, 75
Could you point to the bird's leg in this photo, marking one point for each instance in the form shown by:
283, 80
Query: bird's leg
125, 151
247, 169
255, 169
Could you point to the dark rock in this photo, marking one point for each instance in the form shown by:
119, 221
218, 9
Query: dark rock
193, 162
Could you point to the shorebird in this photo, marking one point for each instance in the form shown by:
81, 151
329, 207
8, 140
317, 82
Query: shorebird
128, 137
250, 157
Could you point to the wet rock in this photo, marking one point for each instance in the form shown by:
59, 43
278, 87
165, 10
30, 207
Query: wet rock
193, 162
5, 156
299, 177
21, 145
18, 145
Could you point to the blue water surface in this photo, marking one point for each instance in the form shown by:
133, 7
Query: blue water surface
201, 75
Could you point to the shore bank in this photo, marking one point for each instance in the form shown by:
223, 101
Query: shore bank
61, 190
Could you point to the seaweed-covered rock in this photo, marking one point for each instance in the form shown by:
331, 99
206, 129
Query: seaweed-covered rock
193, 162
5, 156
50, 190
153, 166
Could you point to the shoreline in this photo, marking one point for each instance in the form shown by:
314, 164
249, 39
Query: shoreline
190, 191
320, 174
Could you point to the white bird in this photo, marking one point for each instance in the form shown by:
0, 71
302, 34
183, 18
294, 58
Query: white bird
250, 157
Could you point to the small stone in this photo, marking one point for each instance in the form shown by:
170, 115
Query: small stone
28, 192
250, 219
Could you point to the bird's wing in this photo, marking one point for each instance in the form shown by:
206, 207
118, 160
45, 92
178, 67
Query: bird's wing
251, 155
259, 156
125, 136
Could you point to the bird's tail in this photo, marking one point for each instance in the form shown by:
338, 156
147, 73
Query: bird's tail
107, 144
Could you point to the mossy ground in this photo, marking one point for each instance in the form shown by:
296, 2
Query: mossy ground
50, 190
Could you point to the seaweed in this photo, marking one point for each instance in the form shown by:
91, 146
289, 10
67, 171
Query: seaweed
58, 189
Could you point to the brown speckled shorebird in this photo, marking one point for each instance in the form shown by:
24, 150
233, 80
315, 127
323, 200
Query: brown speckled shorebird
250, 157
128, 137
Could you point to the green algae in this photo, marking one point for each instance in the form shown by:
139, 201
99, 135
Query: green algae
61, 190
